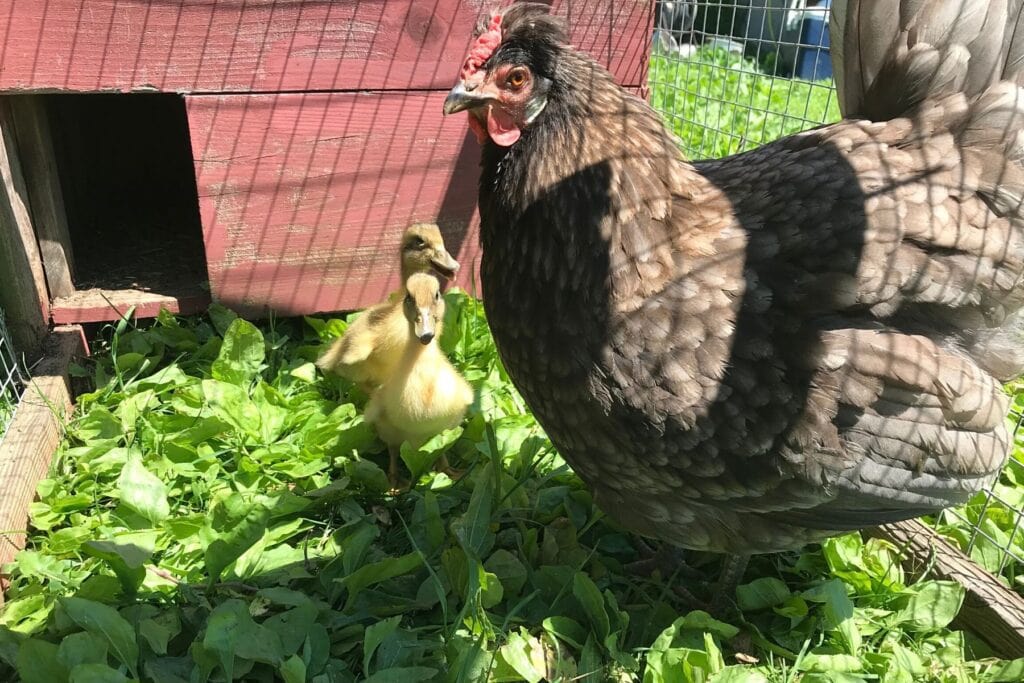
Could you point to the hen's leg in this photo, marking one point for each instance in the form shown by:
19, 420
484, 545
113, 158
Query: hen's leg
733, 568
668, 560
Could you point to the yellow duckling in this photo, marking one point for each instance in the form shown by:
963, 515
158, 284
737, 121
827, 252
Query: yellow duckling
372, 345
425, 395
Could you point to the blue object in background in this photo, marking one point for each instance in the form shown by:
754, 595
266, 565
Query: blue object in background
814, 63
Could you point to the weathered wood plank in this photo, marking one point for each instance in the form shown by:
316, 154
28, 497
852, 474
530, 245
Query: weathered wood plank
31, 439
303, 197
990, 609
46, 199
276, 45
99, 305
23, 294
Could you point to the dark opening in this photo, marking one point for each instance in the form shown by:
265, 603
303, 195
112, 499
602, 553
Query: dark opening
125, 167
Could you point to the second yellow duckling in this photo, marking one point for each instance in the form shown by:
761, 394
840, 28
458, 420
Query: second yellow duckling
425, 395
372, 345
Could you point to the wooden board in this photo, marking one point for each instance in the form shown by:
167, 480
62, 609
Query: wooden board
46, 199
303, 197
23, 293
218, 46
99, 305
33, 436
990, 609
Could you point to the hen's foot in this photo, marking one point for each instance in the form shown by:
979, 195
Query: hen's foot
666, 560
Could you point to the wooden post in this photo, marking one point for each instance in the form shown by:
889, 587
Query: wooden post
32, 437
990, 609
23, 293
46, 200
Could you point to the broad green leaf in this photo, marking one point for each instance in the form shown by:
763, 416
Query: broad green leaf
159, 631
591, 667
525, 655
221, 317
473, 529
233, 405
420, 460
838, 612
293, 670
293, 626
567, 630
702, 621
39, 662
402, 674
426, 525
235, 526
932, 605
761, 594
491, 590
143, 492
126, 556
82, 648
96, 673
592, 602
374, 635
232, 634
377, 572
829, 663
509, 570
1006, 672
738, 674
104, 621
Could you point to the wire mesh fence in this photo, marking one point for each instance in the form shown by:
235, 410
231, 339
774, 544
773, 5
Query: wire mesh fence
11, 379
730, 75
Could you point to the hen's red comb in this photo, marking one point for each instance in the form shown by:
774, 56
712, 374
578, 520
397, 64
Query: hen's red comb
483, 47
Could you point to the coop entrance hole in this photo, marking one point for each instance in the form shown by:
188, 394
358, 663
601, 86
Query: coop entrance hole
126, 173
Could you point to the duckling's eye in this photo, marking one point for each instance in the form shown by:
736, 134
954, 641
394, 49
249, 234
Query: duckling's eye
408, 299
517, 79
418, 243
437, 296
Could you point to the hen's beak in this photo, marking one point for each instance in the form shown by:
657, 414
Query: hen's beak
460, 99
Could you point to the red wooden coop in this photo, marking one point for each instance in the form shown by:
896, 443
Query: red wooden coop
262, 153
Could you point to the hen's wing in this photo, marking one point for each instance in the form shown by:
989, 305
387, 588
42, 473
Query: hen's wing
804, 358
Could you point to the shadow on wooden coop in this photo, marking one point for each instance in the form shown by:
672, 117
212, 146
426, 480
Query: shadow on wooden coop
264, 154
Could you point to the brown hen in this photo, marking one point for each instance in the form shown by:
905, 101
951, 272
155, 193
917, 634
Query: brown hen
750, 354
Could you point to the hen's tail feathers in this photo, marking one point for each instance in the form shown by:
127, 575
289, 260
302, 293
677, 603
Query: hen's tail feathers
889, 56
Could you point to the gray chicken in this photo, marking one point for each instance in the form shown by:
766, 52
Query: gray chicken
755, 353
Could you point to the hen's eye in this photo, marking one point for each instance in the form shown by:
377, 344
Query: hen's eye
517, 78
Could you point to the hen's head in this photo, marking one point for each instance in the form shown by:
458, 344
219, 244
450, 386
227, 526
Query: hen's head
509, 73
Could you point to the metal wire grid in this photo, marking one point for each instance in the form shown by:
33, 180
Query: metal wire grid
12, 379
729, 75
991, 527
722, 69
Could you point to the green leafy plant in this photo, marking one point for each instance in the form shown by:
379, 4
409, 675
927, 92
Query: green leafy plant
218, 512
719, 103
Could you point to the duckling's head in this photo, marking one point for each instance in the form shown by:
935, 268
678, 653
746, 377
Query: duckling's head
423, 306
423, 251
